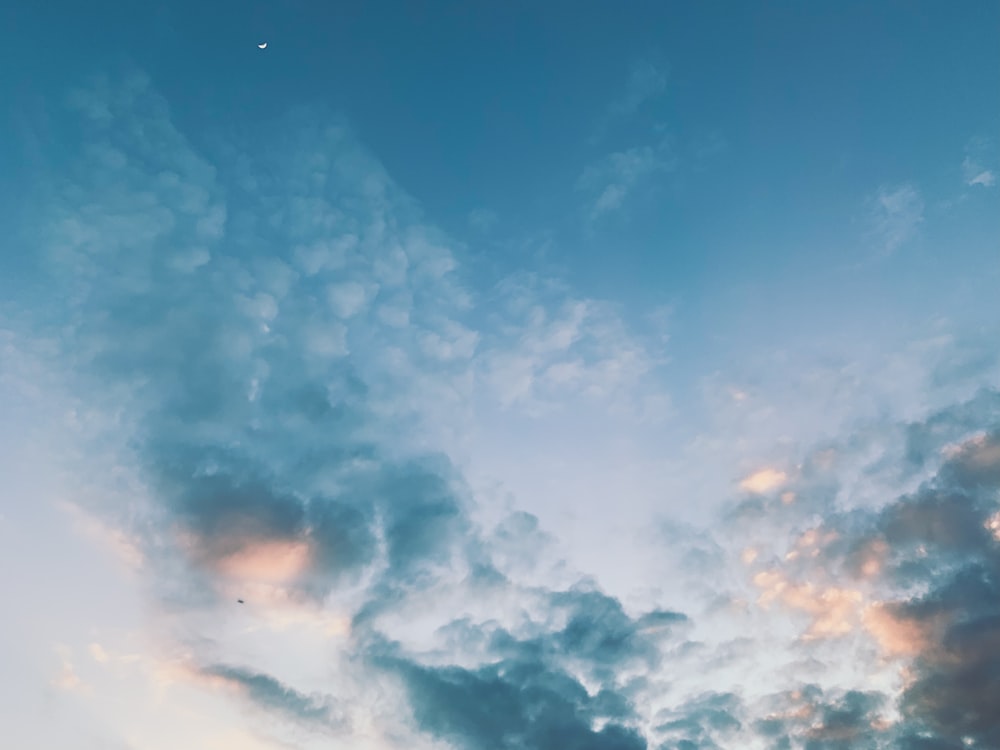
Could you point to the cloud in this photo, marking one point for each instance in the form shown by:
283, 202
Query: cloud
507, 704
764, 480
978, 152
276, 342
68, 678
244, 419
826, 721
931, 599
271, 694
834, 610
702, 721
613, 178
976, 175
646, 81
483, 219
896, 214
550, 348
527, 694
234, 320
610, 181
349, 298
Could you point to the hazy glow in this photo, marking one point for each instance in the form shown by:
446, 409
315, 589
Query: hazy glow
267, 561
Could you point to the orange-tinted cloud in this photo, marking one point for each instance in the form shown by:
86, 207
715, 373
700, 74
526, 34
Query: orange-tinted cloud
273, 561
975, 460
871, 557
763, 480
993, 525
834, 610
897, 636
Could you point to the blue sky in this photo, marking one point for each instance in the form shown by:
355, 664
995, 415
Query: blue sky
538, 377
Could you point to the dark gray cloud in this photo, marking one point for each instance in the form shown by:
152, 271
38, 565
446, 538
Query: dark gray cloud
520, 702
526, 695
601, 633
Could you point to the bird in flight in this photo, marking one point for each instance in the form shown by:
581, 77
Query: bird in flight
240, 601
262, 45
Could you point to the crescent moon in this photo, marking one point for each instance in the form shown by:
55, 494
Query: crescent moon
262, 46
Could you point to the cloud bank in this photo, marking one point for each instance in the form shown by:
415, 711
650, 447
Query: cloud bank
277, 345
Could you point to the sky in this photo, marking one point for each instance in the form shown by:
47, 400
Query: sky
500, 376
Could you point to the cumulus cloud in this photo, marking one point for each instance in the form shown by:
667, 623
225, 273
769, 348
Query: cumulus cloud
558, 686
923, 572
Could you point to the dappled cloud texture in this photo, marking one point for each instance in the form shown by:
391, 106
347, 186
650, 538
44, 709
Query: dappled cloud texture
262, 322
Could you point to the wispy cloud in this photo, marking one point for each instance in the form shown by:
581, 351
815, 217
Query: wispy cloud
646, 81
612, 179
271, 694
978, 153
482, 219
609, 180
68, 678
896, 215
